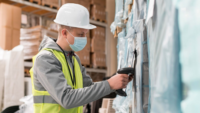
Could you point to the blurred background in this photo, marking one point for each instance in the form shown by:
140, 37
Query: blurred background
163, 33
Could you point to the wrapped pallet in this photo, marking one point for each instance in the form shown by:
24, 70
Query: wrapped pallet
30, 38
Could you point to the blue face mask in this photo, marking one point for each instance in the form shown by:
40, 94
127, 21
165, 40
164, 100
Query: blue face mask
79, 43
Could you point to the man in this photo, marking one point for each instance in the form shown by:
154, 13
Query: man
59, 81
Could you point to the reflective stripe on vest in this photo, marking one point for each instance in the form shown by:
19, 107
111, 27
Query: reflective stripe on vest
43, 102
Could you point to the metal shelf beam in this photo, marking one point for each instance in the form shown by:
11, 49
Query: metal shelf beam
34, 5
98, 23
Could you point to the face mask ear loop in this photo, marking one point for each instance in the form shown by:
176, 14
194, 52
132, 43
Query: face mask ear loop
68, 42
70, 34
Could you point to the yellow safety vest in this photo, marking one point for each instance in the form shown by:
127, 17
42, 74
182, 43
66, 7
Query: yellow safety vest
43, 102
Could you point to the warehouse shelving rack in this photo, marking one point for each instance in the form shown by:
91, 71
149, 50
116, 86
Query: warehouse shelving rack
48, 13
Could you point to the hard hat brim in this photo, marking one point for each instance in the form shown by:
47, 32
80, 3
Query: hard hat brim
89, 26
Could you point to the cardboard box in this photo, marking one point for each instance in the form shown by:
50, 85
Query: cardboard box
98, 32
30, 38
98, 60
99, 2
98, 12
84, 57
10, 23
98, 40
85, 3
98, 45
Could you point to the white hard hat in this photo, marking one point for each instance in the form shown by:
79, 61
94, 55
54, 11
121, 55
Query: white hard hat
74, 15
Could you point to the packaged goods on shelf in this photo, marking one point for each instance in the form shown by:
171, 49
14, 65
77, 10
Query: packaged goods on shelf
85, 3
98, 60
28, 21
98, 45
98, 13
50, 24
9, 26
84, 57
99, 2
98, 32
31, 38
98, 40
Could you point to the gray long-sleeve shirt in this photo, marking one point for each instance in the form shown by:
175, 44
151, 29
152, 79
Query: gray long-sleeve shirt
48, 76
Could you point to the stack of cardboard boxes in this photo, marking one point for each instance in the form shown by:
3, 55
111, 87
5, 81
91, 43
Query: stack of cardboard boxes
93, 55
95, 7
10, 24
98, 8
85, 3
31, 38
98, 57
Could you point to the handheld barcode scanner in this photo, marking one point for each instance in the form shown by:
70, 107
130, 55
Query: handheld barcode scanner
130, 71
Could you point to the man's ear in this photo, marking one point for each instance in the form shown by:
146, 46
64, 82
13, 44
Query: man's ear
64, 33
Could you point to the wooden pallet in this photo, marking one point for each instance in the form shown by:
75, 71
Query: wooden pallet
99, 67
34, 1
87, 66
100, 20
49, 4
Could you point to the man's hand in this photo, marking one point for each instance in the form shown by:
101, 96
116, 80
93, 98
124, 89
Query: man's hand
119, 81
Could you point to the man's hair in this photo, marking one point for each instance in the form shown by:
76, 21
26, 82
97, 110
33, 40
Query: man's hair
61, 27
